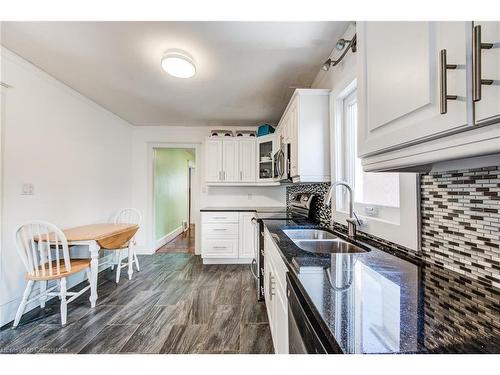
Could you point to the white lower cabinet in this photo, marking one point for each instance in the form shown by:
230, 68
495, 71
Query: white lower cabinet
247, 236
228, 237
275, 294
220, 248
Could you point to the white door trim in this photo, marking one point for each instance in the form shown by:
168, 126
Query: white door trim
3, 93
195, 197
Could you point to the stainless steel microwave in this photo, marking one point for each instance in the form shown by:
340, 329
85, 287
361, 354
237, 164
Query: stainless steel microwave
281, 161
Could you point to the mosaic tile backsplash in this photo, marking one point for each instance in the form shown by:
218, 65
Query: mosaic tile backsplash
460, 221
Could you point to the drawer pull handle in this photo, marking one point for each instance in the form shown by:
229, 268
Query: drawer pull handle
477, 81
219, 229
220, 217
271, 286
220, 247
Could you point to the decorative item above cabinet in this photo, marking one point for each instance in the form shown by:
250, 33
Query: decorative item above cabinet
415, 83
305, 125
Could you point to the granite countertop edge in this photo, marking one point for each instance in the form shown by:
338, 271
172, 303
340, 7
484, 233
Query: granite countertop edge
294, 270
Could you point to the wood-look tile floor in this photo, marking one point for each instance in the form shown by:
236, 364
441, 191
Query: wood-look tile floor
183, 243
175, 304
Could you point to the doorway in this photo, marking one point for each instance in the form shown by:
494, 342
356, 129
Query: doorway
173, 172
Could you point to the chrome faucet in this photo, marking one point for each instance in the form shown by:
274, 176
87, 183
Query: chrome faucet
353, 220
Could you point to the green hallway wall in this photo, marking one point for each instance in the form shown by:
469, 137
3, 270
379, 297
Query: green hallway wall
171, 189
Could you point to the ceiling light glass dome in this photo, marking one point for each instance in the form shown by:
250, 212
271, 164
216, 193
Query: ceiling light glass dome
178, 64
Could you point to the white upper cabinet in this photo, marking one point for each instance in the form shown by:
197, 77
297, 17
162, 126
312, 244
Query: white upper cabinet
426, 94
213, 170
305, 125
400, 67
486, 65
266, 147
236, 161
247, 160
230, 160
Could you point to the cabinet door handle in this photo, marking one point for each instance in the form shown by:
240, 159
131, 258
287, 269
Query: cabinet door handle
444, 97
241, 175
271, 286
477, 81
224, 175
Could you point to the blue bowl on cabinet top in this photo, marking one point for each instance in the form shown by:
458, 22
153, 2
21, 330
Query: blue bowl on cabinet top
265, 129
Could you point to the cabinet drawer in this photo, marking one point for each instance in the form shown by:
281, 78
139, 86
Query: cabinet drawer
220, 248
219, 217
222, 229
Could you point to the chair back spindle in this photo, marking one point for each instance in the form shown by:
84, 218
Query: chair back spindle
39, 245
128, 216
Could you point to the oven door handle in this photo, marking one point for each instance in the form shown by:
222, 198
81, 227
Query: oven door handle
252, 265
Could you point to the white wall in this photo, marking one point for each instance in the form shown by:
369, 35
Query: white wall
336, 74
144, 138
77, 155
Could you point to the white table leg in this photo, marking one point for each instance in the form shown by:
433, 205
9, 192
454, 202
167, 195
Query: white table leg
94, 269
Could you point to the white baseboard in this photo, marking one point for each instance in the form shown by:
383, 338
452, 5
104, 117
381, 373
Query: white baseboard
168, 237
226, 261
9, 309
144, 250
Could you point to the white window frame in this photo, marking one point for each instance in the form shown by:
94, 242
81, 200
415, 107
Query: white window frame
405, 233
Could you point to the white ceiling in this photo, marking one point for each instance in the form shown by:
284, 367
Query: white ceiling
246, 71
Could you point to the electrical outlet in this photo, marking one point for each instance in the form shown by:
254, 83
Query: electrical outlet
28, 189
371, 211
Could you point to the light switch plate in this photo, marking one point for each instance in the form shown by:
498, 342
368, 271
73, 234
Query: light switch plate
28, 189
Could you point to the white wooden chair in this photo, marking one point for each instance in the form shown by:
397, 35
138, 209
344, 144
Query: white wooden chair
39, 245
127, 216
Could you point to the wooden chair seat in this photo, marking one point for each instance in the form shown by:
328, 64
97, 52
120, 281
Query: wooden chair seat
77, 265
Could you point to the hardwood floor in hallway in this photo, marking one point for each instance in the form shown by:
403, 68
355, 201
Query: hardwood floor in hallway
175, 304
183, 243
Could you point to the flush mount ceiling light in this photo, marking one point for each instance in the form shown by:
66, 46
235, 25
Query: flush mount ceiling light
178, 64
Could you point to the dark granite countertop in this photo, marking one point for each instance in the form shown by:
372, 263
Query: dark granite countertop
271, 209
381, 303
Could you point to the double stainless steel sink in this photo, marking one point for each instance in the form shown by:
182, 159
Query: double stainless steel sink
321, 241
